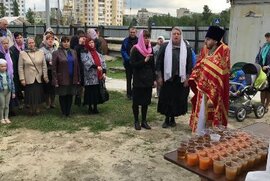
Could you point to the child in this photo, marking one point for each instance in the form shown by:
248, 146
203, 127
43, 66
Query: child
241, 80
6, 88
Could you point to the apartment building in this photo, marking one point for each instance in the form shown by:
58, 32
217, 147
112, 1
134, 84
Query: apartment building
9, 7
183, 12
95, 12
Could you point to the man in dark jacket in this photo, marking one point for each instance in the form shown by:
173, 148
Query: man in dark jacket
127, 44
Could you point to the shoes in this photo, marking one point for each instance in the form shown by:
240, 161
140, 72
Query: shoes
172, 122
166, 123
37, 111
129, 97
3, 121
145, 125
95, 111
137, 125
266, 110
7, 121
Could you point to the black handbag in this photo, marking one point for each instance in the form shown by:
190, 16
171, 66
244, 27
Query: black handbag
103, 92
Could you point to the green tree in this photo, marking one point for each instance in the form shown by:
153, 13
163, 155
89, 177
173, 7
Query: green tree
186, 21
206, 15
2, 10
225, 18
15, 8
30, 16
133, 22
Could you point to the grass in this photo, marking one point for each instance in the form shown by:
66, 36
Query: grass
114, 113
113, 70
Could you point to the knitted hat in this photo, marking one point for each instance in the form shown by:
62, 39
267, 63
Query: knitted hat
215, 33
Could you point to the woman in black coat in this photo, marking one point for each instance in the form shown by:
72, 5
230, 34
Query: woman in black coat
143, 64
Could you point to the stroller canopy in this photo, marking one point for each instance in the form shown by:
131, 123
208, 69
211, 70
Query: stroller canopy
258, 78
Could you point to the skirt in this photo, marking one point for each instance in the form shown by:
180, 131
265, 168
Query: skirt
142, 95
91, 95
173, 98
34, 94
48, 87
64, 90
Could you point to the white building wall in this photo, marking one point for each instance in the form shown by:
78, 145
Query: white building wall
246, 33
9, 7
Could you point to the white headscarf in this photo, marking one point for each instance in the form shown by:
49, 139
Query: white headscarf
2, 61
182, 58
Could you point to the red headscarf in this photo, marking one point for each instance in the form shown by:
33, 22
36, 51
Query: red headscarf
95, 56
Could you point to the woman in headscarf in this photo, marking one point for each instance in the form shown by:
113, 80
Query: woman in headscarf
14, 54
143, 64
48, 49
173, 66
32, 71
92, 34
94, 72
65, 74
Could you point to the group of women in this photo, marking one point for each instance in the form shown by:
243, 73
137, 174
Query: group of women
41, 73
48, 71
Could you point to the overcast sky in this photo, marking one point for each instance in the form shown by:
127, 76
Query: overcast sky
161, 6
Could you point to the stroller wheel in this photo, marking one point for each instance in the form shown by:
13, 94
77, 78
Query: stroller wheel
240, 114
259, 111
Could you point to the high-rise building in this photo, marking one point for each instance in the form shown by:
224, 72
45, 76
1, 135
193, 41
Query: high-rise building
8, 4
94, 12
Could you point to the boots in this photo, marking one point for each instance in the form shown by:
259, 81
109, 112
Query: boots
172, 122
137, 125
145, 125
166, 123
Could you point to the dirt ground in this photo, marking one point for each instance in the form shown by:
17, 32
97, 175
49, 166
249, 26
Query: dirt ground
120, 154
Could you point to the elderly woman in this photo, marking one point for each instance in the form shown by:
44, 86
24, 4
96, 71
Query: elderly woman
48, 49
32, 71
143, 64
173, 66
65, 74
94, 72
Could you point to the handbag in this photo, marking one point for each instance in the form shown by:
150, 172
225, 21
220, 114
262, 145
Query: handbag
103, 92
42, 76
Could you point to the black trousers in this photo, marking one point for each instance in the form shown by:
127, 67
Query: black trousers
65, 104
129, 75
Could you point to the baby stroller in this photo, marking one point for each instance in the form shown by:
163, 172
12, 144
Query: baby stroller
241, 104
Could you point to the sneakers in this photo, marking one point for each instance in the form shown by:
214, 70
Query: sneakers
5, 121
